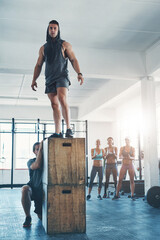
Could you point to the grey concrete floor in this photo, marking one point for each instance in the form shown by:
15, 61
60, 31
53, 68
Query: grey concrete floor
106, 219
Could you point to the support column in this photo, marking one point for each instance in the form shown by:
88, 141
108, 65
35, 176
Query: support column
151, 171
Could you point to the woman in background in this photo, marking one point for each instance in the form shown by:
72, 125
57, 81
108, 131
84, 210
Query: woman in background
127, 154
110, 164
97, 155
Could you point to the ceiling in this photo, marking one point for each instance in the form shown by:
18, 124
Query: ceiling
112, 25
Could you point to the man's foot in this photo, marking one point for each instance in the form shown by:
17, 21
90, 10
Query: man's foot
69, 133
115, 197
99, 197
88, 196
56, 135
105, 195
28, 222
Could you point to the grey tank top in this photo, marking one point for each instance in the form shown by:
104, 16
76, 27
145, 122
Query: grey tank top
58, 69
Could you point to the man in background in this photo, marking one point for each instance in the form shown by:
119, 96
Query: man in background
33, 189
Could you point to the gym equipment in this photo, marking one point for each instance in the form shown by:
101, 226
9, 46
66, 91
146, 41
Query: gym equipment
153, 196
64, 204
139, 187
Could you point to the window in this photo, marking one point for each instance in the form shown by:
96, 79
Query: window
24, 149
5, 150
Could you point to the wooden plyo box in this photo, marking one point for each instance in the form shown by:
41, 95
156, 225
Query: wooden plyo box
64, 206
64, 161
64, 209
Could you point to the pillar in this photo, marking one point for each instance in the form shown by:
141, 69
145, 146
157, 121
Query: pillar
149, 131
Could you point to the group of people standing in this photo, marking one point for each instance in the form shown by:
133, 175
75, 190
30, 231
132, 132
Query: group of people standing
109, 155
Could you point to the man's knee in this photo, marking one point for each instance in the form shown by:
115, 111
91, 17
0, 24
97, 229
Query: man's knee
62, 99
55, 105
25, 189
132, 181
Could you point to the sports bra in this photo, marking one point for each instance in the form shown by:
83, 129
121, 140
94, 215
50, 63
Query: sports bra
109, 152
125, 153
99, 156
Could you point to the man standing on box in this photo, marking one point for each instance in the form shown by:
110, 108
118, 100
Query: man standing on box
55, 53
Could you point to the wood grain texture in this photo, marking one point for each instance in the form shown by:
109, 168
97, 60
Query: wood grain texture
64, 206
66, 209
66, 161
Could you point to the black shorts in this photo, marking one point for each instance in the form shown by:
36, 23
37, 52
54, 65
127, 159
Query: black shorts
37, 197
52, 88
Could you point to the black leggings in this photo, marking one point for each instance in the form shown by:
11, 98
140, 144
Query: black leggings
94, 171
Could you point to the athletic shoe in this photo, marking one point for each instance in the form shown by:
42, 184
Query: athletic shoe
88, 196
28, 222
69, 133
56, 135
105, 195
115, 197
99, 197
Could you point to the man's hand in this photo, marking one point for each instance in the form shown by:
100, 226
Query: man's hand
80, 79
33, 85
39, 158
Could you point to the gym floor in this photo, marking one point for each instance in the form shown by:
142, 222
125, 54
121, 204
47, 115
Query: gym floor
106, 219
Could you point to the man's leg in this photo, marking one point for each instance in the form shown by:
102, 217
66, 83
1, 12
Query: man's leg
26, 203
26, 199
62, 93
38, 199
56, 111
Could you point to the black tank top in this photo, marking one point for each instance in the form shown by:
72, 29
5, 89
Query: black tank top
58, 68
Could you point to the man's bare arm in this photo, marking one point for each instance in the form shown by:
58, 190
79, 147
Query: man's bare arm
38, 68
39, 159
70, 54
